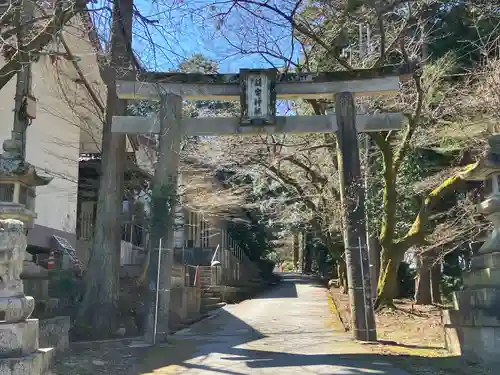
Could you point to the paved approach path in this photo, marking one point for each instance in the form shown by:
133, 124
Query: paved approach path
288, 330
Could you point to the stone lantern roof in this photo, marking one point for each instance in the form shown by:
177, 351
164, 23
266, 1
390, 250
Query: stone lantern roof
13, 165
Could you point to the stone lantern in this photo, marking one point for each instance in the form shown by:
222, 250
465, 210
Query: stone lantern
18, 180
19, 345
472, 328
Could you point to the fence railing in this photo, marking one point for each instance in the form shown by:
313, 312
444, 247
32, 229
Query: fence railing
132, 232
234, 269
85, 226
130, 254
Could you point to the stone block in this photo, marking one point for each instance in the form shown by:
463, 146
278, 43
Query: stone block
18, 339
482, 278
490, 260
16, 308
184, 306
479, 343
162, 323
453, 340
482, 298
37, 363
54, 333
471, 317
192, 298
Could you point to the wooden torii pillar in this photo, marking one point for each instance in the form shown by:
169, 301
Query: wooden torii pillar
258, 91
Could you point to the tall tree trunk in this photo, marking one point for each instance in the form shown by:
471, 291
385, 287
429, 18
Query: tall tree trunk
99, 308
436, 283
391, 255
307, 261
295, 250
388, 280
423, 287
342, 274
423, 282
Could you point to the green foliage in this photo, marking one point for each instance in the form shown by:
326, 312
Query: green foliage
253, 239
66, 285
198, 63
413, 169
465, 27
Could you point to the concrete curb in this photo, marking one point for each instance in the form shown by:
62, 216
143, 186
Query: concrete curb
212, 314
130, 338
133, 339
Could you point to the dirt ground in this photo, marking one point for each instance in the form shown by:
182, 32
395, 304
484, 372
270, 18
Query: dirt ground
409, 334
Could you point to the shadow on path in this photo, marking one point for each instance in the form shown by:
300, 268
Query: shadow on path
292, 339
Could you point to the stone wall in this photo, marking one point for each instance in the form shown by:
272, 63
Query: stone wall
184, 306
472, 328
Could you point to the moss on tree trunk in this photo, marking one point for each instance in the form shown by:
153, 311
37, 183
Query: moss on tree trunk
388, 280
342, 272
393, 250
390, 256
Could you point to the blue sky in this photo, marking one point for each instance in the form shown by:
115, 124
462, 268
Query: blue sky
187, 27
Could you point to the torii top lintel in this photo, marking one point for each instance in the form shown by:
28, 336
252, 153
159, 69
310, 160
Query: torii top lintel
363, 82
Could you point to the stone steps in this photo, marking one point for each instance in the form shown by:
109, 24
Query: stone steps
210, 300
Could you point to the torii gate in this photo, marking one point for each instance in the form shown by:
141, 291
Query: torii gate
258, 91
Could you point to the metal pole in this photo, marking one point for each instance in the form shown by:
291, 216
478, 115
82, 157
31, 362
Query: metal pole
157, 291
23, 14
365, 296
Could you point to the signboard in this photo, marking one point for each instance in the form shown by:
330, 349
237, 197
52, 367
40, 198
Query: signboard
258, 97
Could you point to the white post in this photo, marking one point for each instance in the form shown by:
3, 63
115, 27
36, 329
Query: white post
157, 292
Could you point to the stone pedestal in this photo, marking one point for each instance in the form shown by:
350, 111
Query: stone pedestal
19, 351
472, 329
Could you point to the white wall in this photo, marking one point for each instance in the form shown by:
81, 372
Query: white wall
52, 145
54, 138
